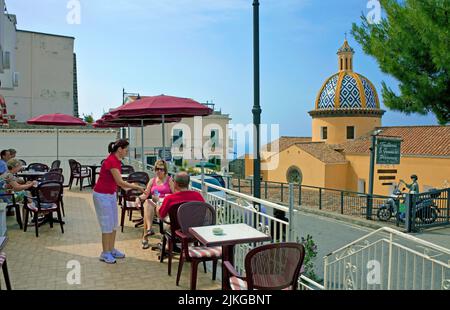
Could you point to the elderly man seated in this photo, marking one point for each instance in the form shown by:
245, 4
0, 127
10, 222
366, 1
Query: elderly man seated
182, 194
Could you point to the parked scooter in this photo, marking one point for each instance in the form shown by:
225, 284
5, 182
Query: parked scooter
425, 210
389, 207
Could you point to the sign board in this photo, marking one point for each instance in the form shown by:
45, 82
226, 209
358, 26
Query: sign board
388, 151
167, 156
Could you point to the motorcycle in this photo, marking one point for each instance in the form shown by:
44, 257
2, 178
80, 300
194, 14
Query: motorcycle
425, 210
389, 207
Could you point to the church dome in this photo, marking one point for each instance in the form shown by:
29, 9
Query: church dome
347, 90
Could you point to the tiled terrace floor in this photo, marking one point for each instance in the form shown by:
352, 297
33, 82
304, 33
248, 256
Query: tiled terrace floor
41, 263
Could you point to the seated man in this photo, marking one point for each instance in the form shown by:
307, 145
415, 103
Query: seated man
182, 194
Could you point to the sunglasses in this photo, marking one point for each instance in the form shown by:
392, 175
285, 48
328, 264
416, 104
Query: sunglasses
160, 169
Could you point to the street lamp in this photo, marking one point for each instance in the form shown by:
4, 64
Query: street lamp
372, 171
256, 107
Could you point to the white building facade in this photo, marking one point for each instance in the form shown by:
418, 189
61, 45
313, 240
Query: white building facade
8, 46
42, 75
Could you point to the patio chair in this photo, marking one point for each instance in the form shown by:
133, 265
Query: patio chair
269, 267
129, 204
47, 201
10, 199
57, 170
38, 167
134, 177
78, 172
195, 214
56, 164
127, 169
56, 176
5, 270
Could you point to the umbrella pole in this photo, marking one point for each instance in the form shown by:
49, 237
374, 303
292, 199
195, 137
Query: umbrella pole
129, 140
142, 144
164, 137
57, 143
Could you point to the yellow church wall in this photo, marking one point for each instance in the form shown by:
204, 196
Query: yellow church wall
248, 166
313, 170
336, 176
337, 127
432, 172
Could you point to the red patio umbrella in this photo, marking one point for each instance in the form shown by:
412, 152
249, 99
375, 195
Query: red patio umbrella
56, 119
160, 107
108, 121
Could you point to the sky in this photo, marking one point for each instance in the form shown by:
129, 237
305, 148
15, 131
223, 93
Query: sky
203, 49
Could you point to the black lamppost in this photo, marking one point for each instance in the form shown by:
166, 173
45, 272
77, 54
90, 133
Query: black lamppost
256, 107
372, 172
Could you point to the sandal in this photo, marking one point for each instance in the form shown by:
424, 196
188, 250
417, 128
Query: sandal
150, 233
145, 245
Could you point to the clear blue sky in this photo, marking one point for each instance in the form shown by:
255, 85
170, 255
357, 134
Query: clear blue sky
202, 49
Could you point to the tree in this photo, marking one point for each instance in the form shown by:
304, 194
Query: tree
412, 44
88, 118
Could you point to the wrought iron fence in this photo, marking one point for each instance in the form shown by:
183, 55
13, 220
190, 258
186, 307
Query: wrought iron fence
427, 210
333, 200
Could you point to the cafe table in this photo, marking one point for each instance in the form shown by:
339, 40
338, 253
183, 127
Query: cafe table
232, 234
31, 175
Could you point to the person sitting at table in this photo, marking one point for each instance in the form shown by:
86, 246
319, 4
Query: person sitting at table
158, 187
5, 156
12, 153
182, 194
9, 182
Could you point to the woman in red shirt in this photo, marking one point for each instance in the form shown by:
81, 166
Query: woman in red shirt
105, 198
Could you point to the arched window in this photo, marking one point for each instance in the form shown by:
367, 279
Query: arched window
294, 175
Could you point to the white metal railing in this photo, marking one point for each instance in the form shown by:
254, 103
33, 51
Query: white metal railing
233, 207
387, 259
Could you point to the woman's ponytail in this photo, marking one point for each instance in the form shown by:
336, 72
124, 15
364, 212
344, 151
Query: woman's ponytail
114, 146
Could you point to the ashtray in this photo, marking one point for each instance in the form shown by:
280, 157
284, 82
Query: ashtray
218, 231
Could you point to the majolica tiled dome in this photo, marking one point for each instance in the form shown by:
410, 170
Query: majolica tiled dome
347, 89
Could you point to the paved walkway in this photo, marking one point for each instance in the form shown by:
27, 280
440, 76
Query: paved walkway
41, 263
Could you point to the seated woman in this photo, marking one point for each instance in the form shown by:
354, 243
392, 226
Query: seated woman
158, 187
9, 182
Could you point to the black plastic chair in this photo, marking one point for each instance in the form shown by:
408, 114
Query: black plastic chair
47, 201
55, 176
56, 164
38, 167
4, 267
78, 173
9, 196
129, 203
